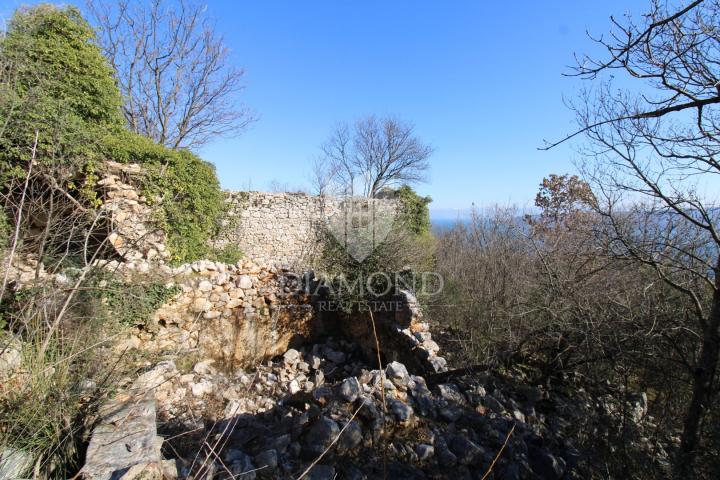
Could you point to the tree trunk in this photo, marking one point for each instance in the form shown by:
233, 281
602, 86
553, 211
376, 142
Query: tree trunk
702, 388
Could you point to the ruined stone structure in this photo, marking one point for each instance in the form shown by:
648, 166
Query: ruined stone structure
287, 228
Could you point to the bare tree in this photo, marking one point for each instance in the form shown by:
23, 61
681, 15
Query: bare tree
173, 70
652, 150
321, 177
374, 154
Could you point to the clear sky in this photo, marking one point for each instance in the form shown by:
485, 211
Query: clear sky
482, 82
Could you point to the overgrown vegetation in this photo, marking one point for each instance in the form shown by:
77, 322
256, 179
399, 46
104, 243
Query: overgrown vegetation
547, 293
131, 302
184, 187
60, 119
397, 259
61, 376
57, 84
414, 212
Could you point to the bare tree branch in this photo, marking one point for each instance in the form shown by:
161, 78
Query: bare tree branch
375, 154
173, 69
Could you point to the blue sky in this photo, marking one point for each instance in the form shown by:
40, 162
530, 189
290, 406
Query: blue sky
482, 82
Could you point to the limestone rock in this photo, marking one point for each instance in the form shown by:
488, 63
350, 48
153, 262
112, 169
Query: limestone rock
14, 463
350, 389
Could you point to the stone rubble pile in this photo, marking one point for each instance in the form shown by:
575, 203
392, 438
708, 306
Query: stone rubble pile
325, 401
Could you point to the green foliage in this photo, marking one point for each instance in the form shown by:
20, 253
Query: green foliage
192, 204
407, 249
5, 231
131, 303
414, 213
230, 253
54, 81
184, 186
392, 266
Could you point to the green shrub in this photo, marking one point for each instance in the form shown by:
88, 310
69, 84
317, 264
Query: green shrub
55, 81
192, 204
414, 213
132, 303
5, 232
123, 302
185, 188
408, 248
230, 253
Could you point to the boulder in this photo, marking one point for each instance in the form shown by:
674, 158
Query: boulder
402, 412
14, 463
351, 437
466, 451
267, 459
424, 451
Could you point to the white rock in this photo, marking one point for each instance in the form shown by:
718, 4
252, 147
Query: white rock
205, 367
244, 281
201, 388
291, 357
14, 463
200, 305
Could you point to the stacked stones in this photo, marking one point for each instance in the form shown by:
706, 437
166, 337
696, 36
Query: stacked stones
132, 234
417, 336
285, 228
241, 314
273, 227
236, 314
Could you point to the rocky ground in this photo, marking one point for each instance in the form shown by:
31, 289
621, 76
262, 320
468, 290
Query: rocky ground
322, 411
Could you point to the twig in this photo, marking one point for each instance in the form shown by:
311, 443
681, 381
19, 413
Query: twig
18, 221
492, 465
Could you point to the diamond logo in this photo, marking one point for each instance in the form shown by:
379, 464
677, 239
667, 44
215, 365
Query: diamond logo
361, 224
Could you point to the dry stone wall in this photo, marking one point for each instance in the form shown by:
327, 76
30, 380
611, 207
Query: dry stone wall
236, 314
287, 228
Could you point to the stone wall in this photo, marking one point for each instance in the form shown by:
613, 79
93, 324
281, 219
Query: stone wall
286, 228
240, 315
236, 314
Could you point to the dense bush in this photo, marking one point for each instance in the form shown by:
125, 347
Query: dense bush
132, 302
45, 411
547, 294
183, 186
55, 81
4, 232
414, 213
396, 262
